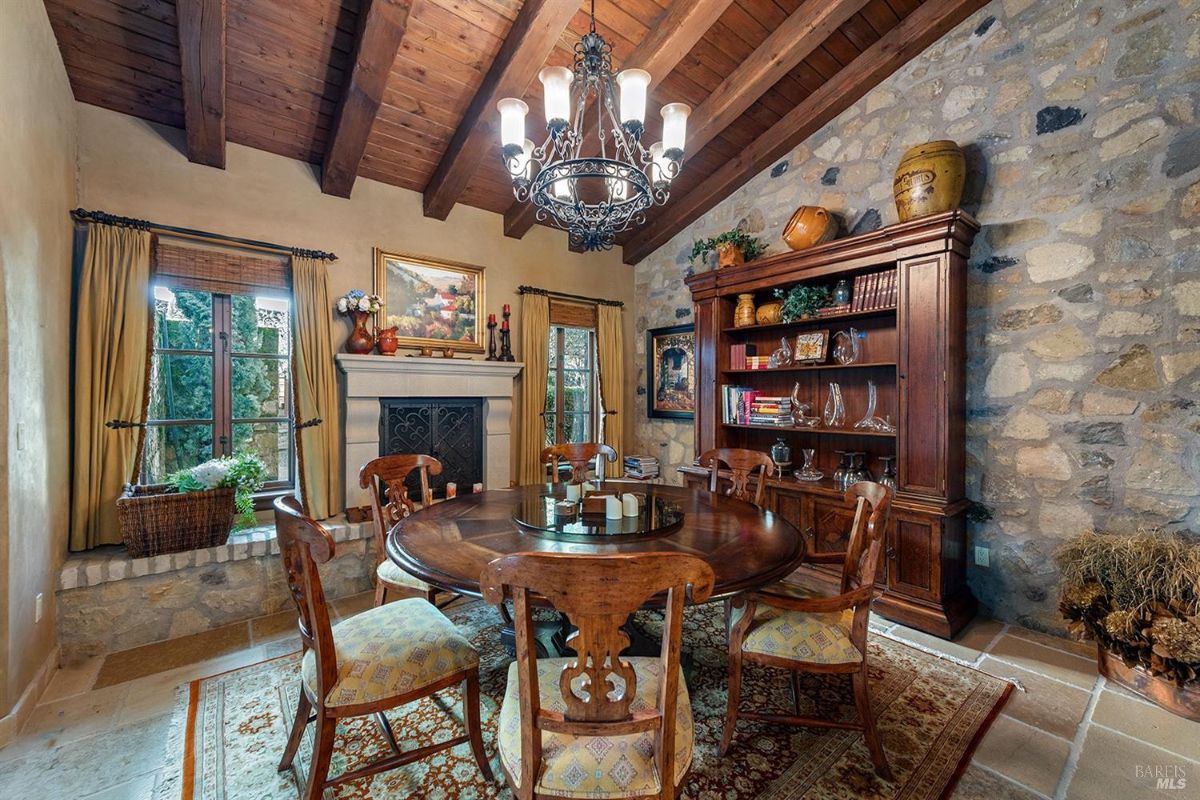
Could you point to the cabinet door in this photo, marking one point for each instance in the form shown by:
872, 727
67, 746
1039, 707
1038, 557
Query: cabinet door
913, 570
924, 333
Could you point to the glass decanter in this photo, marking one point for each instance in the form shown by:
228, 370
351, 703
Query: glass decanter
835, 408
800, 411
869, 421
782, 357
845, 346
888, 476
809, 471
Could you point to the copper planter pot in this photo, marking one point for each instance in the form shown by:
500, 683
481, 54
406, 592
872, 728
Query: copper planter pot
809, 226
929, 179
1182, 701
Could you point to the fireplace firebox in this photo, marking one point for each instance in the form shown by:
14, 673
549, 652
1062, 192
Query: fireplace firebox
448, 428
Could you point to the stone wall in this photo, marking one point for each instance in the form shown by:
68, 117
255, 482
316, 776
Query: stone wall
1079, 123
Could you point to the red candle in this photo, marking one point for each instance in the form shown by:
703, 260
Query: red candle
492, 319
506, 309
504, 325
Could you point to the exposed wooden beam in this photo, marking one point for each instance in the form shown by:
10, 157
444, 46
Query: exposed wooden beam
789, 44
668, 40
202, 64
381, 25
529, 43
913, 34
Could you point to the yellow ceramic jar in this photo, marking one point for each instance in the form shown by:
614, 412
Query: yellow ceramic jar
743, 314
929, 180
809, 226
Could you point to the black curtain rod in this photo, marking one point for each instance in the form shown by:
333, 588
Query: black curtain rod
82, 215
597, 300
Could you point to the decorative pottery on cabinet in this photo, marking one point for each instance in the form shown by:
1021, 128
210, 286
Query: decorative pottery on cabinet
388, 341
809, 226
743, 315
361, 342
929, 179
730, 255
769, 313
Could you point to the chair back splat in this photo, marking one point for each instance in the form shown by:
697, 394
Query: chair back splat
598, 594
579, 456
741, 464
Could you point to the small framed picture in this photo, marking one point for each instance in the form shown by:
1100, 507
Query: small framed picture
671, 372
811, 347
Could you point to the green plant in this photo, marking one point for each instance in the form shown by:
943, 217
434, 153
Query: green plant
243, 471
751, 246
802, 300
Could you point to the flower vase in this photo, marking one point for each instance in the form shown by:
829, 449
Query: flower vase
361, 342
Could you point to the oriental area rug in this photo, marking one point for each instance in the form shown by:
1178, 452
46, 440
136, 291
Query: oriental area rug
230, 729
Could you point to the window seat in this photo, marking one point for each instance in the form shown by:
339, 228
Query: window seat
108, 601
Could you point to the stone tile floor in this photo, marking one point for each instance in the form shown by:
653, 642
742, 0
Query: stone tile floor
98, 731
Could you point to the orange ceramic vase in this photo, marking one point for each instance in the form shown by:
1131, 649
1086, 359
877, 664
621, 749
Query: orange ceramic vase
388, 341
361, 342
809, 226
929, 180
729, 255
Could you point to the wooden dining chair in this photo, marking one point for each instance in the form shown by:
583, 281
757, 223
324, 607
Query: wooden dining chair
596, 725
377, 660
817, 634
741, 465
579, 455
384, 480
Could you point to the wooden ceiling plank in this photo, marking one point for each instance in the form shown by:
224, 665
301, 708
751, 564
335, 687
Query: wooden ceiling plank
666, 43
524, 51
380, 31
789, 44
202, 65
917, 31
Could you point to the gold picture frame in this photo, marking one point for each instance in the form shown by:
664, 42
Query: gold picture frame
431, 302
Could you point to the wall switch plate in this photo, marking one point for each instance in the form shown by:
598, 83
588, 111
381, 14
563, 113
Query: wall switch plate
20, 435
39, 607
982, 556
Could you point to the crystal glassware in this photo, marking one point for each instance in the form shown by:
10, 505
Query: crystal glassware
809, 471
781, 454
783, 356
839, 474
835, 408
800, 411
858, 470
888, 476
846, 349
869, 421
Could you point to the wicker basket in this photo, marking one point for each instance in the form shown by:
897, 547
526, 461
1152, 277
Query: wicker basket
155, 520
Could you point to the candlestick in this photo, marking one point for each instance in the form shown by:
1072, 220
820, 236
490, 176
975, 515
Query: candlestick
506, 338
491, 326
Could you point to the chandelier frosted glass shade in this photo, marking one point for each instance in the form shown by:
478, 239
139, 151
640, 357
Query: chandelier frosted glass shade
592, 179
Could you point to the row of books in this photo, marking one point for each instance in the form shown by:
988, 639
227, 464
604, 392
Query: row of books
641, 467
874, 291
741, 354
742, 405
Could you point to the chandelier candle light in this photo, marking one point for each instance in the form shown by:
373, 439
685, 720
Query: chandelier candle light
593, 197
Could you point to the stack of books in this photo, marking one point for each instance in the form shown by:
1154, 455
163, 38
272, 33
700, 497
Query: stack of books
739, 353
736, 404
641, 467
875, 291
770, 410
757, 362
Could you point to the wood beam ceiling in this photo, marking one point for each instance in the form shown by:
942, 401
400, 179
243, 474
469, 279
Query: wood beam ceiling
529, 43
668, 40
918, 30
381, 26
202, 65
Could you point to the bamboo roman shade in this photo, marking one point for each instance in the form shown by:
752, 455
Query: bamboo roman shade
573, 315
216, 270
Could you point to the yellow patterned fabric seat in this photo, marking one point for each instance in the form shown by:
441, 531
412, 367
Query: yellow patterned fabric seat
390, 573
802, 636
595, 766
392, 650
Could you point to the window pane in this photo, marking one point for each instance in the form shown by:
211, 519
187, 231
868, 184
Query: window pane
553, 347
578, 427
551, 392
271, 442
182, 319
181, 387
261, 325
576, 398
170, 448
550, 429
260, 387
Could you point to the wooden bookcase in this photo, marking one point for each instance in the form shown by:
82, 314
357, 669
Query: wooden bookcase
915, 354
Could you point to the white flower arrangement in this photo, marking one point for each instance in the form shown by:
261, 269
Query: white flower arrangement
358, 300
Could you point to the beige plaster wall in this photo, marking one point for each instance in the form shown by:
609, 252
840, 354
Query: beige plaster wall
134, 168
37, 173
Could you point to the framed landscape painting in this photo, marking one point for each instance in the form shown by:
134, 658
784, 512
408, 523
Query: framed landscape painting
671, 372
431, 303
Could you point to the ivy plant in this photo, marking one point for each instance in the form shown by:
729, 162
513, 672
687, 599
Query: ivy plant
752, 247
803, 300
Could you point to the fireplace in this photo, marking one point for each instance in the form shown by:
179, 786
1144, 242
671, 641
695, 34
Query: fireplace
448, 428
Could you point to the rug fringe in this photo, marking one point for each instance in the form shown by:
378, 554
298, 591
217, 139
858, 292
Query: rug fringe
168, 785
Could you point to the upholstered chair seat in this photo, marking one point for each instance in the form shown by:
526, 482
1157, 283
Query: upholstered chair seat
595, 766
803, 636
393, 576
392, 650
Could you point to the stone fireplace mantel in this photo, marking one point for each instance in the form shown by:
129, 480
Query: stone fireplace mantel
365, 380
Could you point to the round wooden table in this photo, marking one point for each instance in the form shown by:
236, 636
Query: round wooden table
448, 544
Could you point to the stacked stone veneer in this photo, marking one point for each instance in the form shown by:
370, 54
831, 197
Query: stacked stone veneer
108, 601
1079, 120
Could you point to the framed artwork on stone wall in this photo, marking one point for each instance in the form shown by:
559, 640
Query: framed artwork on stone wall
431, 303
671, 372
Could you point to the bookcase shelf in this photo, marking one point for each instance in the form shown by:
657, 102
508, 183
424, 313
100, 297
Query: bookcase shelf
915, 354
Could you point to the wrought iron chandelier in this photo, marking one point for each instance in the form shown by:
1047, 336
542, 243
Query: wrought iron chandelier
592, 197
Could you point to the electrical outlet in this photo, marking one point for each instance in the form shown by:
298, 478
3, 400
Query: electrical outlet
982, 556
39, 607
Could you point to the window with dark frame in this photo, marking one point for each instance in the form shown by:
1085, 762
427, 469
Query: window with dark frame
220, 379
571, 386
